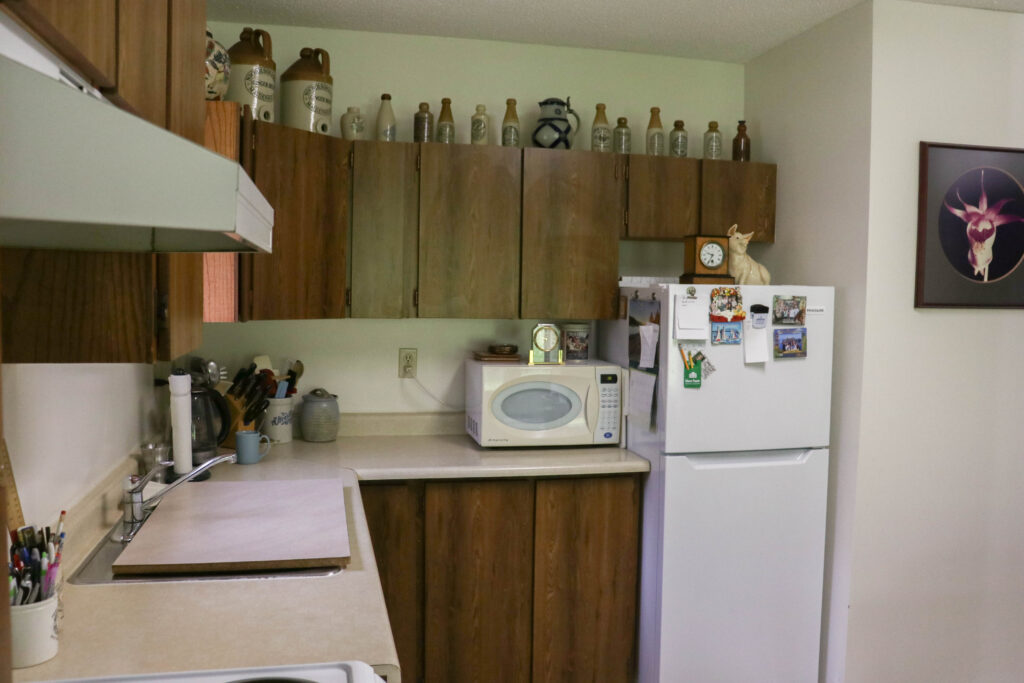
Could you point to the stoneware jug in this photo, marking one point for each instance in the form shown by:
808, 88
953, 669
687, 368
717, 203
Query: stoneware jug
252, 79
553, 128
306, 92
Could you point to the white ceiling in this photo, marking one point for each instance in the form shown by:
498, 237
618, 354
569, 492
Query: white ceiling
721, 30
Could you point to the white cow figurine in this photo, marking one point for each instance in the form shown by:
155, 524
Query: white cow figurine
746, 270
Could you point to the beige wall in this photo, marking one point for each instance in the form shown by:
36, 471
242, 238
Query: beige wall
358, 359
809, 105
939, 519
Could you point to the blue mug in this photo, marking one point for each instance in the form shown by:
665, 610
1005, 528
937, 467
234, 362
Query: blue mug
249, 446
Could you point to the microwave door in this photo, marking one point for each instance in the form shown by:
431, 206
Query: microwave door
591, 406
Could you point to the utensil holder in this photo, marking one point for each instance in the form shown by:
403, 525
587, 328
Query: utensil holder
278, 421
34, 632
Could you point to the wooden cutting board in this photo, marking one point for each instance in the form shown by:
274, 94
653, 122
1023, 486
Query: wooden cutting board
231, 526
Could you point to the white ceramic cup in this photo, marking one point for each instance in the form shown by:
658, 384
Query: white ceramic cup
278, 421
34, 633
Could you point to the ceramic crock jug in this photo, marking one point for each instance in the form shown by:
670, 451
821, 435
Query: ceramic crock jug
553, 127
306, 92
253, 73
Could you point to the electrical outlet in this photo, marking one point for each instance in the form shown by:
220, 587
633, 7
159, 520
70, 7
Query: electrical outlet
406, 363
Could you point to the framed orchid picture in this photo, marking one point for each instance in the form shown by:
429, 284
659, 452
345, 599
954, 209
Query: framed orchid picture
970, 227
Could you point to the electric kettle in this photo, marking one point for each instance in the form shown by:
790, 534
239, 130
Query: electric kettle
211, 421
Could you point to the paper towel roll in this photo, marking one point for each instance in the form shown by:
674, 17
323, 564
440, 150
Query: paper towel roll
181, 422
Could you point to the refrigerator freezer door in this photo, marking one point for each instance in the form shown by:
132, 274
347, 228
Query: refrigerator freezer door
783, 403
743, 553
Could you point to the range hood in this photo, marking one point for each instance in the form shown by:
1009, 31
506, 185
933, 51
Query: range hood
79, 173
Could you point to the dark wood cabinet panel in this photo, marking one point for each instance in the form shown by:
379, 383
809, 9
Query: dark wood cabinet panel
385, 224
394, 513
585, 579
186, 68
142, 58
179, 304
479, 577
77, 307
305, 177
664, 197
222, 134
573, 209
83, 33
469, 231
738, 192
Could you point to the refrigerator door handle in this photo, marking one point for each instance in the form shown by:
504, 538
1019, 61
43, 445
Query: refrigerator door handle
762, 459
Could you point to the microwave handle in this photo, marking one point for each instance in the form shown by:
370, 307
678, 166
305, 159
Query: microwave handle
590, 408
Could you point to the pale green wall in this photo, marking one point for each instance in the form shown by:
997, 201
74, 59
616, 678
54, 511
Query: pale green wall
358, 359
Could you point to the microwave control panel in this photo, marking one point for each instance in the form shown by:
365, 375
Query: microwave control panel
610, 409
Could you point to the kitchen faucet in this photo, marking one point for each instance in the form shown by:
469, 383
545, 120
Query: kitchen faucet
137, 509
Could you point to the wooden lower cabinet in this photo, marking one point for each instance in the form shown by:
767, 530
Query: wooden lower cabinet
509, 579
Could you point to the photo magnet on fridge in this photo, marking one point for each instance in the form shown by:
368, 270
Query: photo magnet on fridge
726, 333
789, 310
790, 343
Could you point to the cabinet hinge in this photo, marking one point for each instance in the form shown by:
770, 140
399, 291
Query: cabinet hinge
625, 172
625, 217
416, 298
417, 162
348, 296
352, 158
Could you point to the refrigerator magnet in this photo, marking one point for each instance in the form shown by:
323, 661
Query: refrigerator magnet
692, 375
706, 367
758, 316
726, 305
789, 310
726, 333
790, 343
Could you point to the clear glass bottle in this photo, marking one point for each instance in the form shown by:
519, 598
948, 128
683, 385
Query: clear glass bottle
601, 132
480, 125
423, 124
510, 126
655, 134
386, 126
713, 141
445, 122
621, 138
678, 140
741, 143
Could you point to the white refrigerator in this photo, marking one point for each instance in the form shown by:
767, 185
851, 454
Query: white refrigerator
732, 552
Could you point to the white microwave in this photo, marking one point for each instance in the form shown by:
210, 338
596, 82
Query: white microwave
515, 404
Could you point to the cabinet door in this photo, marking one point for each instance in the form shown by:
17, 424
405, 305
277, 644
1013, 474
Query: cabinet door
385, 222
142, 58
83, 33
479, 576
394, 514
573, 207
741, 193
664, 197
585, 579
77, 307
305, 177
222, 134
469, 231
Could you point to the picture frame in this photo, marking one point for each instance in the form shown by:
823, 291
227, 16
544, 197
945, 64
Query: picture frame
790, 342
970, 233
789, 310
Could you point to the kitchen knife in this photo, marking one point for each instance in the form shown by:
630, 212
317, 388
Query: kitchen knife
254, 410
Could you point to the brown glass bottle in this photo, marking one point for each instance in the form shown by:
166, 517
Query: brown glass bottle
446, 122
741, 143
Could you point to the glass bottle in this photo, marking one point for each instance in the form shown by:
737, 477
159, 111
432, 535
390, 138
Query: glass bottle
678, 140
621, 142
741, 143
510, 126
713, 141
445, 122
423, 124
386, 125
480, 125
655, 134
601, 132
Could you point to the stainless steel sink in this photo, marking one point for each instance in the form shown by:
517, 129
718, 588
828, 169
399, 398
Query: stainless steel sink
98, 568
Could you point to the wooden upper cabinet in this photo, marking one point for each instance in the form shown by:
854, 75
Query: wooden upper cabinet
664, 197
573, 208
741, 193
469, 231
83, 33
305, 177
222, 135
142, 58
479, 578
385, 223
586, 557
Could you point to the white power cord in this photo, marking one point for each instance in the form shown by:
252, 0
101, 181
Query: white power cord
429, 393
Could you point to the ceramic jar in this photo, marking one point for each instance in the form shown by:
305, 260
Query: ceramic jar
622, 139
319, 420
553, 128
252, 79
306, 92
387, 128
510, 125
423, 124
446, 122
480, 124
678, 140
601, 132
655, 134
353, 124
218, 67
